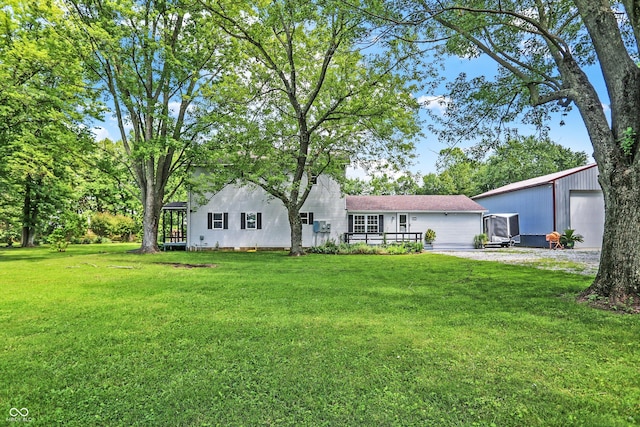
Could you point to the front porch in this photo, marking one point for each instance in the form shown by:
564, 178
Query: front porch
174, 226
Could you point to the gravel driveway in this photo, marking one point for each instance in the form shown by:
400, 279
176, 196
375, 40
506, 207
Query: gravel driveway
582, 261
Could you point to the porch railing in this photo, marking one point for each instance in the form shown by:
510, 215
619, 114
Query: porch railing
381, 238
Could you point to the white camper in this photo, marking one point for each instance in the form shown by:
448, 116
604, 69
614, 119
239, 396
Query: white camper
502, 229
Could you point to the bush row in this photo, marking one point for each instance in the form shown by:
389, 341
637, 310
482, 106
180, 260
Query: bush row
400, 248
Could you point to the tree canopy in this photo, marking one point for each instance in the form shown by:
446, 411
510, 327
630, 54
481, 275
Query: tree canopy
543, 51
460, 172
306, 99
43, 104
152, 61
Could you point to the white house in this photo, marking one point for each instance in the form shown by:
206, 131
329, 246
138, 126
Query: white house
568, 199
245, 217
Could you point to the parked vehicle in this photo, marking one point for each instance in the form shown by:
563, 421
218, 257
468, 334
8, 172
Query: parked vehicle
502, 229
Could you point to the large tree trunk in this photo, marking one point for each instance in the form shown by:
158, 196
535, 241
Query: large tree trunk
296, 231
29, 215
152, 205
618, 277
150, 223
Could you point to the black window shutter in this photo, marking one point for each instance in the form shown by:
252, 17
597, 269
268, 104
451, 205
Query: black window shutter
259, 221
381, 223
310, 218
209, 221
242, 221
225, 221
350, 223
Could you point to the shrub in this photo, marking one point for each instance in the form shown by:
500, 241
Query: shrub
9, 236
329, 247
361, 248
58, 240
429, 236
123, 228
66, 228
115, 227
480, 240
101, 223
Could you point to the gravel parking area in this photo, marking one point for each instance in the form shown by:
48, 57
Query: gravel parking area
582, 261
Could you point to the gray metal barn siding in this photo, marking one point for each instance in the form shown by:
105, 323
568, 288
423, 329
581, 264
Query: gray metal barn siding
583, 180
534, 201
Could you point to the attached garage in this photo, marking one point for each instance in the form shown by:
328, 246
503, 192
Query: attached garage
455, 219
568, 199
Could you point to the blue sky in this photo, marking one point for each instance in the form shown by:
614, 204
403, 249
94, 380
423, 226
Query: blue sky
572, 134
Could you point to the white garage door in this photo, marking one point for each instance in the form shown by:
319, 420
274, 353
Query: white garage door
455, 230
587, 217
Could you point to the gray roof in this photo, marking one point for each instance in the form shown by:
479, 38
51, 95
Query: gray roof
412, 204
534, 182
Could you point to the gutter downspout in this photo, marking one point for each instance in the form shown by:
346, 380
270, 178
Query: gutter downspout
553, 192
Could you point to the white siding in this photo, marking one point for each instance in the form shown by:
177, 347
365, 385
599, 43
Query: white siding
325, 201
453, 230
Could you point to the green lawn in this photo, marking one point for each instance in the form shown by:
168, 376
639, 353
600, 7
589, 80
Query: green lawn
97, 336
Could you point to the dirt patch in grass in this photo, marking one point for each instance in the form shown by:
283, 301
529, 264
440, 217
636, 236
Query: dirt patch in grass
188, 266
630, 304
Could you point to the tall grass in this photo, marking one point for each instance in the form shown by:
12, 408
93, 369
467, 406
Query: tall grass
98, 336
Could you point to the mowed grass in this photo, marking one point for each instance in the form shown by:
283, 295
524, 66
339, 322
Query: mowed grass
98, 336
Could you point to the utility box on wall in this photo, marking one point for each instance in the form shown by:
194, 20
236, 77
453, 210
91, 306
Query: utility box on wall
321, 227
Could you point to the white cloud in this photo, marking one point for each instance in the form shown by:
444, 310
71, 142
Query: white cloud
374, 168
434, 102
101, 133
356, 172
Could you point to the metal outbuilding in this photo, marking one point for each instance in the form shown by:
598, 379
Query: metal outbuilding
568, 199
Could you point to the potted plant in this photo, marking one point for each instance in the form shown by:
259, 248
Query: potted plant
480, 240
569, 238
429, 237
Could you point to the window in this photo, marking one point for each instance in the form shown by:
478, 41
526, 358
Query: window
372, 223
251, 221
306, 217
359, 224
217, 221
365, 223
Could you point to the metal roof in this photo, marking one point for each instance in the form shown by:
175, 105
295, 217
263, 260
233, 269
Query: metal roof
457, 203
535, 182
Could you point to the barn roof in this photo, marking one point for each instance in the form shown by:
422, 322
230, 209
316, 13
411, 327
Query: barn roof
534, 182
413, 204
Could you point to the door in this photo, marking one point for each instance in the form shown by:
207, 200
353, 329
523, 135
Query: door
587, 216
403, 223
